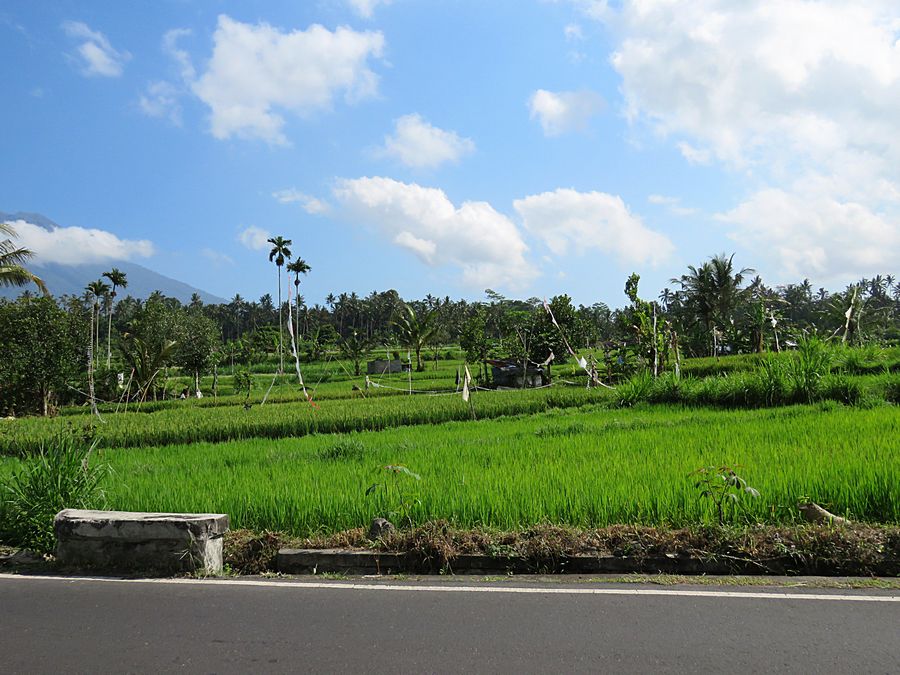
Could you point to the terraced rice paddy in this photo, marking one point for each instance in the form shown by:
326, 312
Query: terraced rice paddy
585, 467
560, 455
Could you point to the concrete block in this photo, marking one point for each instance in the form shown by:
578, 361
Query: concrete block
144, 542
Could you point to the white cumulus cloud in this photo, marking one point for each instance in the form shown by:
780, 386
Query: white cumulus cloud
573, 32
308, 203
801, 97
420, 145
484, 244
161, 99
257, 72
366, 8
217, 258
561, 112
94, 54
567, 219
672, 204
806, 232
254, 238
78, 245
180, 56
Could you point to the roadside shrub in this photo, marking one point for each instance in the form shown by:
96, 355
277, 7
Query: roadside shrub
58, 477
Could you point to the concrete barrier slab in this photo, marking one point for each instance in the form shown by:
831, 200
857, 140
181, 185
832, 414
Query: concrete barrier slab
138, 541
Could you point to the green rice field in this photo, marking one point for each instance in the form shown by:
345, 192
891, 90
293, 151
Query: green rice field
587, 467
510, 459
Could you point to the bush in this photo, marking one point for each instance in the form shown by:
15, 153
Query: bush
667, 388
811, 363
635, 390
771, 381
841, 388
892, 389
346, 448
57, 478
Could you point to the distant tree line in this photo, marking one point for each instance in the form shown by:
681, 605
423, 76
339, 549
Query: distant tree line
55, 349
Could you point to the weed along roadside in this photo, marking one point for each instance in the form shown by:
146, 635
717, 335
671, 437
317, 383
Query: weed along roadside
816, 551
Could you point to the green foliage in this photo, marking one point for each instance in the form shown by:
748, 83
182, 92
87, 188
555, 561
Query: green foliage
474, 337
149, 346
772, 381
415, 330
723, 487
399, 497
810, 364
42, 352
243, 383
197, 343
60, 476
355, 347
635, 390
650, 343
345, 448
12, 257
548, 338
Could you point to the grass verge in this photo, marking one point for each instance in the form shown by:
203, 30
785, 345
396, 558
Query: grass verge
855, 550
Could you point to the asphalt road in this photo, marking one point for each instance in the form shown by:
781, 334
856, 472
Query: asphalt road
50, 625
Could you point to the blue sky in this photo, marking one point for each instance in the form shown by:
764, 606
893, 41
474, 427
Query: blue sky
446, 147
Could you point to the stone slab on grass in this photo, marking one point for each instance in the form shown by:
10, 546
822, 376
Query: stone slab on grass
158, 543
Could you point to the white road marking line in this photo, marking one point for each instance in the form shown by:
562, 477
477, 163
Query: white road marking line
450, 588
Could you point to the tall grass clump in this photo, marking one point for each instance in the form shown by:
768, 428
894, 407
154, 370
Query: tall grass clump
771, 381
60, 476
635, 389
669, 388
811, 363
891, 388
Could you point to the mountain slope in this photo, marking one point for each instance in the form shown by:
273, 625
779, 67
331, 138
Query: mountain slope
71, 279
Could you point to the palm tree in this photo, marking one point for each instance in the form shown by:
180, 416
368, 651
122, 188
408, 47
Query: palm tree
713, 290
414, 331
97, 289
118, 279
11, 259
279, 253
298, 267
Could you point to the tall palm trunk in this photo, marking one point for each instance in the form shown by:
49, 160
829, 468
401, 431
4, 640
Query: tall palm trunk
109, 331
90, 356
95, 334
297, 320
280, 331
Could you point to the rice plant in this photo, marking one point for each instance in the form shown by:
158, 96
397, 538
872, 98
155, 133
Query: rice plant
604, 466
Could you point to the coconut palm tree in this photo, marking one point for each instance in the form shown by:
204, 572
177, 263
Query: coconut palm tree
298, 267
415, 331
11, 259
712, 291
279, 253
95, 291
118, 279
